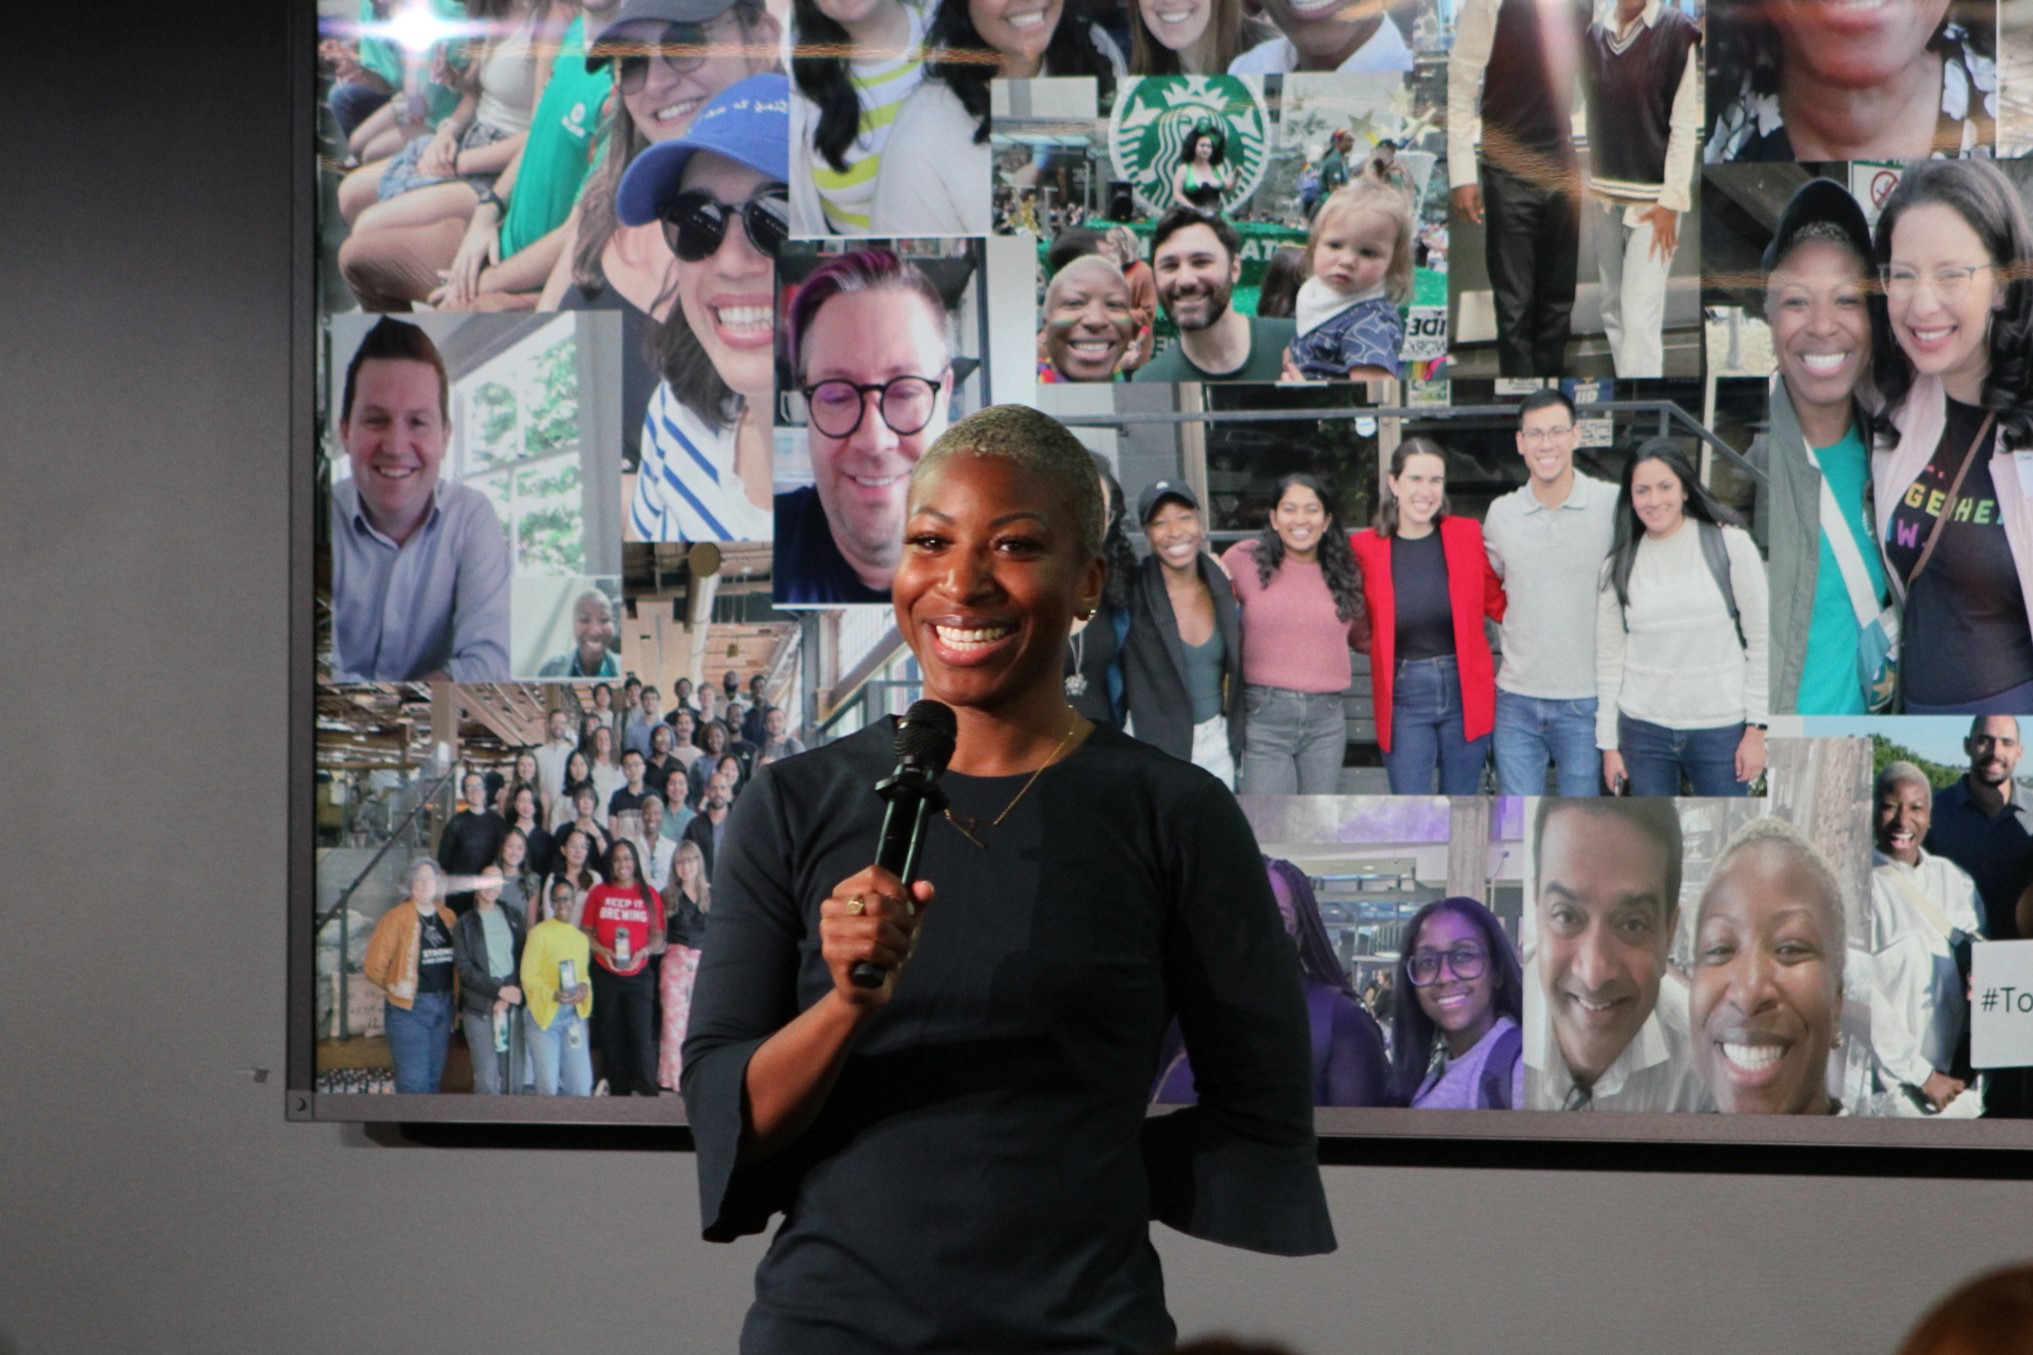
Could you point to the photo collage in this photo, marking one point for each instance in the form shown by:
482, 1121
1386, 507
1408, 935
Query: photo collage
1570, 363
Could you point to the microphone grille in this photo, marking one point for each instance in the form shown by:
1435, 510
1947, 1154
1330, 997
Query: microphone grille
925, 735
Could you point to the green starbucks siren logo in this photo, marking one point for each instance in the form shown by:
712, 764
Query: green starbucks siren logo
1155, 115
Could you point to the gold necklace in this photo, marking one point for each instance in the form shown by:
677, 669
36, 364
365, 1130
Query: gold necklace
967, 828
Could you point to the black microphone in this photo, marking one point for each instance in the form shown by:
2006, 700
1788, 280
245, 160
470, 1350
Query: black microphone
924, 745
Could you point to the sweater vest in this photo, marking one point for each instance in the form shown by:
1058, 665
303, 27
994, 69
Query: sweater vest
1528, 87
1630, 103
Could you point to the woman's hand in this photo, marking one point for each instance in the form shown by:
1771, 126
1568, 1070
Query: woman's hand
869, 917
478, 251
570, 997
1614, 774
1751, 754
510, 994
439, 156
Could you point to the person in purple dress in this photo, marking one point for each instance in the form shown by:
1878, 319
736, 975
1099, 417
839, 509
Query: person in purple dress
1350, 1067
1458, 1045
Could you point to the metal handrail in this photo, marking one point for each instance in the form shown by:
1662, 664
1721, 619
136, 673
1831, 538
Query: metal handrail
1669, 414
346, 895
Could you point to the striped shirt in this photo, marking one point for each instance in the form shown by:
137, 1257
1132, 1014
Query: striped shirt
882, 87
686, 489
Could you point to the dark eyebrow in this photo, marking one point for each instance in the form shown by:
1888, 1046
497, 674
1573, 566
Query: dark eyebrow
1021, 515
1646, 898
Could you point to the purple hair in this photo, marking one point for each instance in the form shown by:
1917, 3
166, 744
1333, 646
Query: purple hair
858, 270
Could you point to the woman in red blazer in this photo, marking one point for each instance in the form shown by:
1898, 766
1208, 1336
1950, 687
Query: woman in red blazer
1428, 585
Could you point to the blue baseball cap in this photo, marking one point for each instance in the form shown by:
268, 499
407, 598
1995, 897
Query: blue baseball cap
748, 122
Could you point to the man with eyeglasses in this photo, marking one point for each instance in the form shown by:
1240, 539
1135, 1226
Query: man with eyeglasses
1548, 539
873, 367
1608, 1030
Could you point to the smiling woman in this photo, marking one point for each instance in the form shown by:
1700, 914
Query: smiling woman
1842, 80
1953, 350
1827, 652
1096, 887
1681, 640
1089, 322
1427, 583
719, 192
1765, 1005
935, 170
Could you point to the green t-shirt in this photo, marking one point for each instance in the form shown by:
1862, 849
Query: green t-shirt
560, 150
1266, 362
383, 56
1828, 675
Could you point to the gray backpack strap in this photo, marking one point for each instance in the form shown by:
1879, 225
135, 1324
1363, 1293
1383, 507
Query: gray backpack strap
1715, 551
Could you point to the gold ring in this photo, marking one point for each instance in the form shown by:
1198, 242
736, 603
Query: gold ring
856, 906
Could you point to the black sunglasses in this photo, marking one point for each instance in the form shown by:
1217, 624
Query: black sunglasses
681, 47
695, 222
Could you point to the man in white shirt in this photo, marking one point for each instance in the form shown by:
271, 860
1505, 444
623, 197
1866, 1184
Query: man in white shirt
1548, 539
1606, 891
551, 757
1924, 915
1331, 36
649, 711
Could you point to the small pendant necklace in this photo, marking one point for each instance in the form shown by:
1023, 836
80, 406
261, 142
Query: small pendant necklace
966, 824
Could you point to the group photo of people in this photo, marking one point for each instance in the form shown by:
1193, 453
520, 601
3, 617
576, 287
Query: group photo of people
1898, 317
551, 930
1230, 228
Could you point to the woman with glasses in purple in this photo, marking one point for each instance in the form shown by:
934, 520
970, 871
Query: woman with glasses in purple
720, 193
868, 338
1457, 1044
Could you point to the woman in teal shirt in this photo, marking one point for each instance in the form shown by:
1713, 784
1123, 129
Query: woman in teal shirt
1827, 575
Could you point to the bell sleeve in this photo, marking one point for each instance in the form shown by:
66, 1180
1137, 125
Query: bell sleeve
745, 992
1240, 1167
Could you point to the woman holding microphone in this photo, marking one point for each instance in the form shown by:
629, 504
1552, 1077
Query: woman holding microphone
1095, 888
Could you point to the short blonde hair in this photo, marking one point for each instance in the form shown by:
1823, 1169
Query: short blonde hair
1041, 446
1369, 195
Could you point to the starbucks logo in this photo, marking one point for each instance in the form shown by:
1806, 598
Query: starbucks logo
1156, 115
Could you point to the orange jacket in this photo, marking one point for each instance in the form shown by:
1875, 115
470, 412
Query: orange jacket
391, 961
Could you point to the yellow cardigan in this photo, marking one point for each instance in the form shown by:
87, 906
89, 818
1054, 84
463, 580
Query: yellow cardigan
550, 941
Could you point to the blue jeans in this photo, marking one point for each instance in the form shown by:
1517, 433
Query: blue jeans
1427, 731
1292, 742
564, 1053
1533, 731
1656, 757
417, 1039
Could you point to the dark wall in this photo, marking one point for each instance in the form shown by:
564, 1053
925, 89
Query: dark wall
152, 1197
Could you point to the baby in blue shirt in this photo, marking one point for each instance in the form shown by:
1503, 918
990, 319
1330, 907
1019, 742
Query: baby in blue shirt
1359, 261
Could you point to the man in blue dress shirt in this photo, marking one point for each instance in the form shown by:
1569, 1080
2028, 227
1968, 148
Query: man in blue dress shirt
419, 567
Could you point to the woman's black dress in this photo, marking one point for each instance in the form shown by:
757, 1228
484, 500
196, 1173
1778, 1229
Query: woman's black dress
983, 1175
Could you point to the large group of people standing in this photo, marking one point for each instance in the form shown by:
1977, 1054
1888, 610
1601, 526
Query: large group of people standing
570, 894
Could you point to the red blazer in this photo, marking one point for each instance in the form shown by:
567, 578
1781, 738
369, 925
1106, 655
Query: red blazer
1475, 591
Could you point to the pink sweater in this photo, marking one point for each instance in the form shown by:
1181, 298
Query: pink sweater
1291, 637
